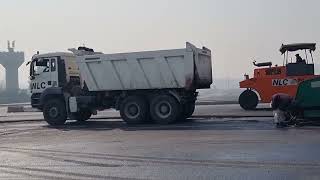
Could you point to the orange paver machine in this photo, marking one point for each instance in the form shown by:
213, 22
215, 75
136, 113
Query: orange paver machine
269, 80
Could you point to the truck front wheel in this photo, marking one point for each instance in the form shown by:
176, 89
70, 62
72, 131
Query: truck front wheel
54, 112
164, 109
134, 110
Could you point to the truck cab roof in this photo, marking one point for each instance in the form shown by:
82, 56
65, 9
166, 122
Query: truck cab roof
55, 54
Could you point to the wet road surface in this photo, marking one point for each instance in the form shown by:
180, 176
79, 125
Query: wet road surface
242, 148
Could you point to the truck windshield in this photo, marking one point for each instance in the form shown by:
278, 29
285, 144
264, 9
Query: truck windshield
39, 66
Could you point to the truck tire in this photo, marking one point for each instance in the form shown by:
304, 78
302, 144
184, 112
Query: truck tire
54, 112
248, 100
134, 110
164, 109
82, 115
189, 109
186, 112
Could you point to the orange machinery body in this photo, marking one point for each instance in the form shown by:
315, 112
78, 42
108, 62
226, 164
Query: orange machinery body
272, 80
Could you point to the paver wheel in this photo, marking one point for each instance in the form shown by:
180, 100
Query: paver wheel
248, 100
54, 112
164, 109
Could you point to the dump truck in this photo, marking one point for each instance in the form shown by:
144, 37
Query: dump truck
158, 86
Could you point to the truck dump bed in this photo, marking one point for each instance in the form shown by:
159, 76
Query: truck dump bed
188, 68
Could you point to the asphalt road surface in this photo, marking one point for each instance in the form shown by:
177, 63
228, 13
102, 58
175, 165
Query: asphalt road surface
203, 148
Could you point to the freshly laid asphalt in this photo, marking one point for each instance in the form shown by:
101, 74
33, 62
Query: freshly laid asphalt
218, 142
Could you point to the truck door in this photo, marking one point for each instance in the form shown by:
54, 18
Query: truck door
44, 74
53, 72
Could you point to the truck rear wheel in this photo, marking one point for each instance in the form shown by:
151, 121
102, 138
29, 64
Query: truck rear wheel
82, 115
134, 110
248, 100
186, 111
164, 109
54, 112
189, 109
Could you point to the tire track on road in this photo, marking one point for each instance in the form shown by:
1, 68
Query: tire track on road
159, 160
56, 174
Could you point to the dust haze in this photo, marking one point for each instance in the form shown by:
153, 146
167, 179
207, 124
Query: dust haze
237, 31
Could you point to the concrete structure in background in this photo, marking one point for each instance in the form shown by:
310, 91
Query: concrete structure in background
11, 61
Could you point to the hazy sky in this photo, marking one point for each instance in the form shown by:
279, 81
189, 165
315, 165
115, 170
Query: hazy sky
237, 31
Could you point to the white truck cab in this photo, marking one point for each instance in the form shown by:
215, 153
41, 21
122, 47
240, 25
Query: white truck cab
52, 70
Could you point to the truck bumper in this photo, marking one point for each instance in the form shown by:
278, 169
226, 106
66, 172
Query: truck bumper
35, 100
